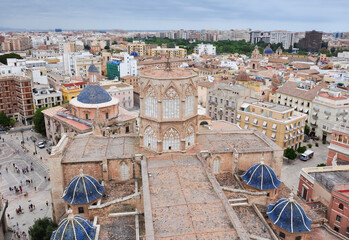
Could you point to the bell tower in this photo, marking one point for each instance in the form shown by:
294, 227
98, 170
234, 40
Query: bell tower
168, 109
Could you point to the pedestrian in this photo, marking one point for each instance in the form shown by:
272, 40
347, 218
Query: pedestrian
46, 203
6, 169
45, 178
35, 187
8, 215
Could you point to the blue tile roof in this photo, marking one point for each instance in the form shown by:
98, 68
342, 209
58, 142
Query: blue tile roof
74, 227
94, 94
135, 54
268, 50
93, 68
261, 176
289, 215
82, 189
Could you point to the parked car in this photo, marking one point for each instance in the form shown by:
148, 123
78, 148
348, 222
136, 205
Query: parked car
41, 145
306, 155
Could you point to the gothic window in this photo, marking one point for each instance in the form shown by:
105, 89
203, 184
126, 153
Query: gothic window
150, 140
151, 109
170, 104
124, 171
189, 101
190, 137
171, 140
216, 165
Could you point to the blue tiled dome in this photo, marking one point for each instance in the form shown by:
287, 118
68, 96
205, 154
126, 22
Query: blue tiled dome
82, 189
268, 50
93, 68
289, 215
135, 54
94, 94
74, 227
261, 176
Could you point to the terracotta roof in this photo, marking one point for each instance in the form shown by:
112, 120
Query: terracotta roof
206, 84
291, 89
52, 111
326, 95
302, 65
73, 84
243, 76
75, 124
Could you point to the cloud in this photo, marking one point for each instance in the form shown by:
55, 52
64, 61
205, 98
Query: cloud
296, 15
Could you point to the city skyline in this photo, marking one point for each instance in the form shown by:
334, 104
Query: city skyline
157, 15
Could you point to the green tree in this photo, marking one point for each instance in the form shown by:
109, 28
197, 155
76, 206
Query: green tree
333, 50
5, 121
106, 47
42, 229
3, 58
306, 130
39, 121
302, 149
321, 165
290, 153
324, 50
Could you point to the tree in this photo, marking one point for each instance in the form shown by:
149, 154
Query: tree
5, 121
106, 47
333, 50
290, 153
306, 130
42, 229
302, 149
39, 121
3, 58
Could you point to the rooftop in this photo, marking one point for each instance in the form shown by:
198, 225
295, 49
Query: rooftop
163, 74
291, 88
329, 179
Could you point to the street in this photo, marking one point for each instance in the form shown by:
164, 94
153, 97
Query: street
291, 169
17, 166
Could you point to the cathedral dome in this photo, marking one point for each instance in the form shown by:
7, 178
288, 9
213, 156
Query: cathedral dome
261, 176
135, 54
74, 227
289, 215
92, 68
268, 50
94, 94
82, 189
243, 76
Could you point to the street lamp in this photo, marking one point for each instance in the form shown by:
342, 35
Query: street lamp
34, 140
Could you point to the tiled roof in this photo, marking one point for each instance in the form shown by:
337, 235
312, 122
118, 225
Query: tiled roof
206, 84
73, 84
291, 88
289, 215
94, 94
74, 227
261, 176
82, 189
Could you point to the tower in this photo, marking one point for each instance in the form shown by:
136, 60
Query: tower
168, 109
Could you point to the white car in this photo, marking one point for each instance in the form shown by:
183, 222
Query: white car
41, 145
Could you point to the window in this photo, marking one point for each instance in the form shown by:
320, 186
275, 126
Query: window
106, 115
150, 140
190, 137
81, 209
341, 206
282, 235
336, 228
86, 116
298, 238
171, 140
216, 165
124, 171
127, 129
189, 101
151, 108
338, 218
170, 105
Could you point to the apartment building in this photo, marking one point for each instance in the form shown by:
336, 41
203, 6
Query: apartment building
281, 124
138, 48
338, 151
121, 91
223, 100
16, 44
284, 37
46, 97
205, 49
176, 52
72, 90
299, 96
329, 108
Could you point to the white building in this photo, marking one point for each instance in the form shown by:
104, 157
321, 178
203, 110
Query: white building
343, 55
14, 67
46, 97
330, 107
44, 54
205, 49
121, 91
35, 64
284, 37
128, 66
229, 64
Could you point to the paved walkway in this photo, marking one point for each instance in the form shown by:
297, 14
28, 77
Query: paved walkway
12, 156
291, 169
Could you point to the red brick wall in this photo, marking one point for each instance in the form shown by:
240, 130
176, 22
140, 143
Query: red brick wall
334, 210
304, 181
70, 170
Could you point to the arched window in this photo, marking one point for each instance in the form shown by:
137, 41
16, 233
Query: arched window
171, 140
124, 171
341, 206
150, 140
189, 101
170, 105
190, 137
216, 165
151, 107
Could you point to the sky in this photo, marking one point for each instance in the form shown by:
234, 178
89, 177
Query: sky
293, 15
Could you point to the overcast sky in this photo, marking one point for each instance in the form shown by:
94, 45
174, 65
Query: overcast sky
294, 15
